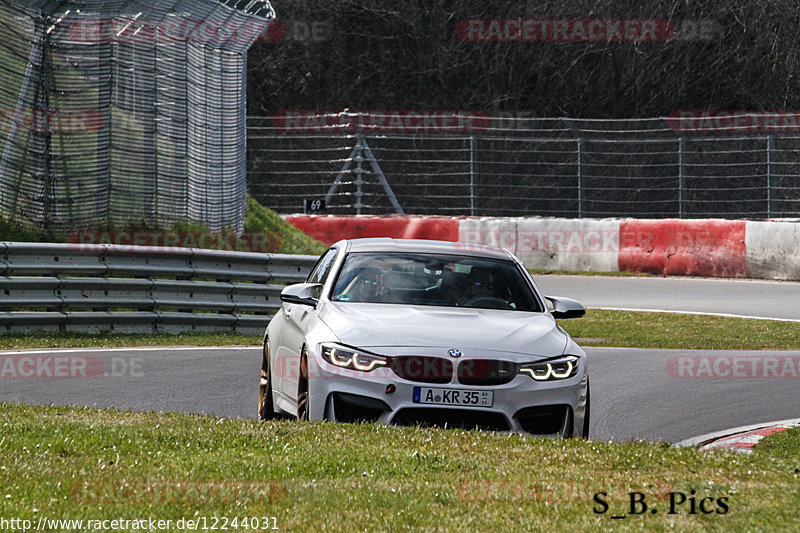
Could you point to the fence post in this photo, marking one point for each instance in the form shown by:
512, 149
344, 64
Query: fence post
770, 148
472, 147
580, 177
681, 172
42, 102
359, 171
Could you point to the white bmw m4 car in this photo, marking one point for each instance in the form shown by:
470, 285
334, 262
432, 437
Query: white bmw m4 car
425, 332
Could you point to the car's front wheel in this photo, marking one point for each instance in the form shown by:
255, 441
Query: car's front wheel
266, 411
585, 431
302, 387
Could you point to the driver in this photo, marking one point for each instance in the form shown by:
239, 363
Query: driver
369, 286
481, 283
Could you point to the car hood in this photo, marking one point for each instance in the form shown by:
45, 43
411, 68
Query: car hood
472, 331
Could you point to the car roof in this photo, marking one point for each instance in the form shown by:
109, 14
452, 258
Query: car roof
386, 244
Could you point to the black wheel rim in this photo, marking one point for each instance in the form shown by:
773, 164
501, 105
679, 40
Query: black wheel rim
302, 389
586, 413
264, 387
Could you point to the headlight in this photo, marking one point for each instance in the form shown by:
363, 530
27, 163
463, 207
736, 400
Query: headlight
560, 368
350, 358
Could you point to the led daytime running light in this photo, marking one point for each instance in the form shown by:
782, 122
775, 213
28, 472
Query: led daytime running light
547, 371
334, 357
351, 359
371, 364
561, 375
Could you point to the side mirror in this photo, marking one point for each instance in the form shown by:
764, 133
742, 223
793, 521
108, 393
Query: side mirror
566, 307
302, 294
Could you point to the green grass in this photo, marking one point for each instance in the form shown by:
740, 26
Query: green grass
15, 232
108, 340
670, 330
294, 241
597, 328
278, 235
72, 463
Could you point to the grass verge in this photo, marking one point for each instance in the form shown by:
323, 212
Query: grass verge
670, 330
266, 228
68, 463
598, 328
108, 340
294, 241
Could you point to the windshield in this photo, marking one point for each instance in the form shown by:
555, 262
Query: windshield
434, 279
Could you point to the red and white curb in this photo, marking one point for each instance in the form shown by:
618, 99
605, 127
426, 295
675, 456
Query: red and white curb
741, 439
689, 247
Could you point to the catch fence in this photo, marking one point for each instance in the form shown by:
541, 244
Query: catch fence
125, 110
522, 166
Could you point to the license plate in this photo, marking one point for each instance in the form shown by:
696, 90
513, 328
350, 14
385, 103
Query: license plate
470, 398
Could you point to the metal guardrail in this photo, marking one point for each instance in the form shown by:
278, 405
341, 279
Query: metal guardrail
140, 289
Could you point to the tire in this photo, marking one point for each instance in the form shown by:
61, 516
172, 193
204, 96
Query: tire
266, 411
585, 431
302, 387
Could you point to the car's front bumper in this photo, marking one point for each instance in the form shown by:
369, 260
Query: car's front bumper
521, 405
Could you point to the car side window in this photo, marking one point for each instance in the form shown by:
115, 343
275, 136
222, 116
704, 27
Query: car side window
323, 267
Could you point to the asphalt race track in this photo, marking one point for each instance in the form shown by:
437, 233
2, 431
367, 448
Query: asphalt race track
636, 394
742, 297
633, 394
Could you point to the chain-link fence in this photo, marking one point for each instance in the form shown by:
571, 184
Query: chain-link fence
435, 163
125, 110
